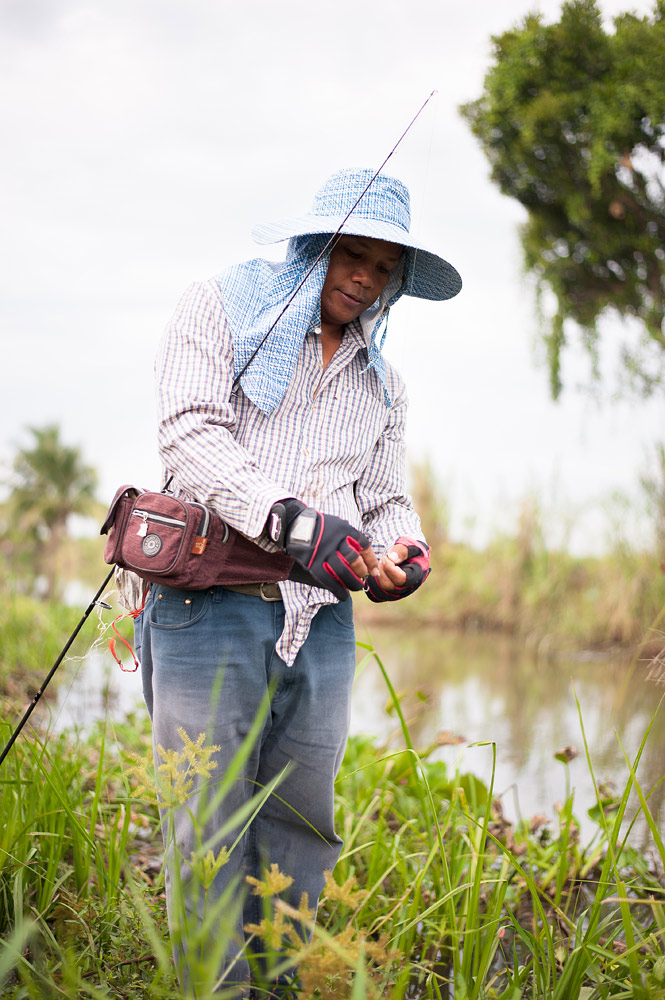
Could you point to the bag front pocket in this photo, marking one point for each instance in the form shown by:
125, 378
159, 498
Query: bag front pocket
157, 534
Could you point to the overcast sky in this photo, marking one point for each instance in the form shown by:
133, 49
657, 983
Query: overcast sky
144, 138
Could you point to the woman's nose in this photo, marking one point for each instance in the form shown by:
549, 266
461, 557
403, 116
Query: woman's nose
361, 274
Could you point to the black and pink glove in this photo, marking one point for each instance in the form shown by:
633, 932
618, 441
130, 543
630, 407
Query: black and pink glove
415, 565
324, 544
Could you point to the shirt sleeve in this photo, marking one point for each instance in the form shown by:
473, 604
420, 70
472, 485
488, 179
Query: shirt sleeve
386, 509
194, 373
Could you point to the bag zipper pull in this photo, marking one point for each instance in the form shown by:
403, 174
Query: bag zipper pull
201, 540
143, 526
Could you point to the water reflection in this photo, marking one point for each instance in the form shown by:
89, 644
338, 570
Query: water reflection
484, 688
95, 688
490, 689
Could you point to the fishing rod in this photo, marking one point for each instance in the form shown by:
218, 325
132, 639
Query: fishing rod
96, 601
332, 239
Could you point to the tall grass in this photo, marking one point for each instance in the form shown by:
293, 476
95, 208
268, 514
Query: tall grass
435, 894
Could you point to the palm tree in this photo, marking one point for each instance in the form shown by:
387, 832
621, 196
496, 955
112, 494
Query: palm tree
50, 482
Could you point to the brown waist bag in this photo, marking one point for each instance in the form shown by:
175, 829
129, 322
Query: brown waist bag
182, 544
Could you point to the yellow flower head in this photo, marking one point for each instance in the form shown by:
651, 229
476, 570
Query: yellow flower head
173, 779
272, 882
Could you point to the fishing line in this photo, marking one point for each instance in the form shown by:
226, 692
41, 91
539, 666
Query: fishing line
332, 239
408, 305
425, 182
33, 704
97, 645
103, 628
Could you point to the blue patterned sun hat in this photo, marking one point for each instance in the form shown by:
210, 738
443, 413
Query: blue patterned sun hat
382, 213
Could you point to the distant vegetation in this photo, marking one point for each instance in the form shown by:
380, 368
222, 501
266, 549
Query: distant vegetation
48, 483
551, 600
572, 121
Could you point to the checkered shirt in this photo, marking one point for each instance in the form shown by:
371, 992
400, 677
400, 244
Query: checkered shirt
331, 441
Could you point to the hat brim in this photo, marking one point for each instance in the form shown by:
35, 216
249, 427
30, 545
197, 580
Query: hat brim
426, 274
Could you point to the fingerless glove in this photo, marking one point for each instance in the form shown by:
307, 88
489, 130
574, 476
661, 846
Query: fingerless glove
417, 569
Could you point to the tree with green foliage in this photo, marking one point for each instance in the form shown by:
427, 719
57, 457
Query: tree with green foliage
572, 120
50, 483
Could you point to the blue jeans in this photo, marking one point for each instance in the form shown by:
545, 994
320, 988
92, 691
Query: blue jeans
209, 664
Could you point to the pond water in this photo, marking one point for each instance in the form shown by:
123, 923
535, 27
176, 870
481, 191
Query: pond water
486, 688
481, 688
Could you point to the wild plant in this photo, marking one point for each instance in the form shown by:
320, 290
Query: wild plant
435, 895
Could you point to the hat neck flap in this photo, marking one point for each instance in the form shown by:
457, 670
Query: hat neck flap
256, 291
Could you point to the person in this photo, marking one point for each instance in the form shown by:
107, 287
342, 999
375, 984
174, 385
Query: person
298, 445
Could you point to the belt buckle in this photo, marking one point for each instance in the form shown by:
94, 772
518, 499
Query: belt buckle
264, 597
